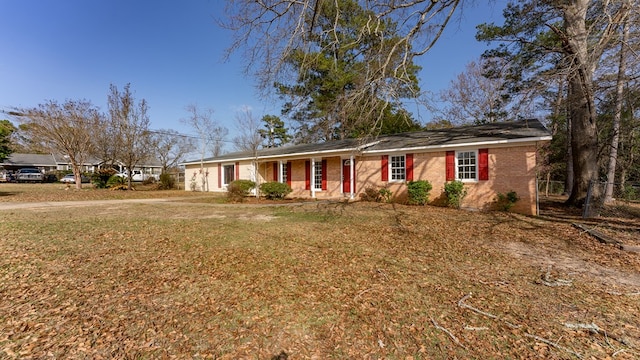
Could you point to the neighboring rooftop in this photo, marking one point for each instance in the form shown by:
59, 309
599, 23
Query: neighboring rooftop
17, 159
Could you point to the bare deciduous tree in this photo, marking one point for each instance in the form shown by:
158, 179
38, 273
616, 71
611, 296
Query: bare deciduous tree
105, 142
130, 122
63, 129
249, 138
474, 97
211, 137
170, 147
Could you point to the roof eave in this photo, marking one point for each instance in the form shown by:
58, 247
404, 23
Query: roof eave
363, 150
461, 145
278, 156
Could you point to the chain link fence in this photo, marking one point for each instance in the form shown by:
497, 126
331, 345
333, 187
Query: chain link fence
624, 195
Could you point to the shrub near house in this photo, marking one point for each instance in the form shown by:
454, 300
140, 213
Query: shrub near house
239, 189
274, 190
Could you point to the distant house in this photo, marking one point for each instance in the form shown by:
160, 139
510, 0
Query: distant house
489, 159
16, 161
53, 162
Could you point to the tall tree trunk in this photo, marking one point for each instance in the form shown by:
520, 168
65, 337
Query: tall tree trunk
568, 181
613, 154
581, 104
584, 141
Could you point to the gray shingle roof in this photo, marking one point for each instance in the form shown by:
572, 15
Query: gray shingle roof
495, 133
16, 159
488, 133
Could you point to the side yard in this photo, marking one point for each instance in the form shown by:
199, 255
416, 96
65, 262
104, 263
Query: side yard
315, 280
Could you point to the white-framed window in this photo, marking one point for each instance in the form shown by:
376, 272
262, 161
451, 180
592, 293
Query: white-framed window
317, 175
228, 174
467, 165
397, 167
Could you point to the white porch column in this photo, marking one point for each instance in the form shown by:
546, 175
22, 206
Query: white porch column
255, 165
352, 172
280, 179
313, 178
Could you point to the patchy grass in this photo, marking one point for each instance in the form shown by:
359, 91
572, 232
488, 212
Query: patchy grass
333, 281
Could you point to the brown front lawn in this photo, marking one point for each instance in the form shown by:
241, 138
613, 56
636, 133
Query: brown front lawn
328, 281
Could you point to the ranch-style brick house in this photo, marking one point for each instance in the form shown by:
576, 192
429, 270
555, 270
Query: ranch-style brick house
489, 159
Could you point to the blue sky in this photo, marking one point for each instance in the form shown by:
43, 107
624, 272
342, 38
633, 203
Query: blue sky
170, 51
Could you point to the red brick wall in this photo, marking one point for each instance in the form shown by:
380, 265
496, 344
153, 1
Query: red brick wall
511, 168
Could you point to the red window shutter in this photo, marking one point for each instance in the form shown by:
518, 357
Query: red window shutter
275, 171
324, 174
385, 167
289, 173
237, 170
483, 164
451, 164
307, 175
409, 166
219, 175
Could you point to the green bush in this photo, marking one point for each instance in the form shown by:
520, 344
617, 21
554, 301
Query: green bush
116, 181
167, 182
455, 192
385, 195
506, 201
419, 192
274, 190
630, 193
237, 190
101, 177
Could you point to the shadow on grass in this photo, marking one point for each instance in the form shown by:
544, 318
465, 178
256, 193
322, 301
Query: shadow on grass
616, 218
6, 194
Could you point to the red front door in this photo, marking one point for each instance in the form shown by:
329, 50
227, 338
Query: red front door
346, 176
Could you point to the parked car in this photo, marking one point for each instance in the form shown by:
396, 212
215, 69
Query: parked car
71, 179
29, 175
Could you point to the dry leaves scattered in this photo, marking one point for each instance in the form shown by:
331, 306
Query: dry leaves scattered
193, 280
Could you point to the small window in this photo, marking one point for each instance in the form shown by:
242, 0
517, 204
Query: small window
466, 168
317, 178
229, 173
397, 165
284, 173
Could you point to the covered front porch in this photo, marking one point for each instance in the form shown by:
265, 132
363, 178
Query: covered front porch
314, 177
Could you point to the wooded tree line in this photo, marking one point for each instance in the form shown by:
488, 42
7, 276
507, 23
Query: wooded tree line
578, 61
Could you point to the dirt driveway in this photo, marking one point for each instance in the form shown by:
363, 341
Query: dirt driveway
50, 204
